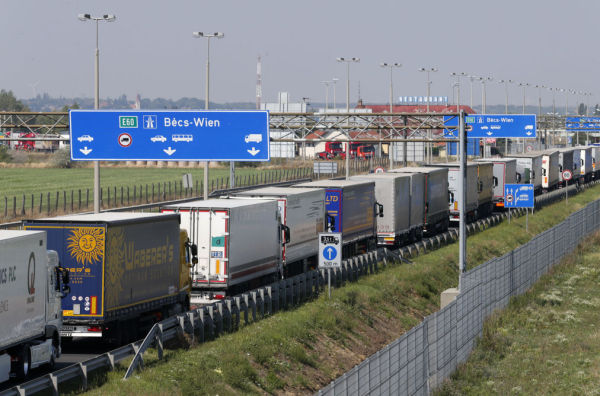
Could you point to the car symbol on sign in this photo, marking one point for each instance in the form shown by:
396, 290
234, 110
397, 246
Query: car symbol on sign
85, 138
158, 138
253, 137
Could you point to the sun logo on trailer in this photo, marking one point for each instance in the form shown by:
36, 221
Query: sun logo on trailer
86, 244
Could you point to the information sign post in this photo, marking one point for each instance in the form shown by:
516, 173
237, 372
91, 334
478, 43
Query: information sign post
330, 253
519, 196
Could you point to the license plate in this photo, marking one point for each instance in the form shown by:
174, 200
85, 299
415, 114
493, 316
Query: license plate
66, 334
68, 328
216, 254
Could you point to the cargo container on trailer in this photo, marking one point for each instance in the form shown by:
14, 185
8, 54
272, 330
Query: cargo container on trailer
529, 167
473, 188
550, 167
303, 211
586, 163
436, 212
351, 207
393, 191
565, 162
127, 271
31, 286
239, 244
505, 172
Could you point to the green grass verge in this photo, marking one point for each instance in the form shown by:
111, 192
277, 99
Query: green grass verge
27, 181
545, 341
301, 350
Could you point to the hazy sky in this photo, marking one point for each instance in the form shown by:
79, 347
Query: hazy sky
150, 49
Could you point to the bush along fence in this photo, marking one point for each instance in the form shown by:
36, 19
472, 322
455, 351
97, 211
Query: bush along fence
421, 359
74, 201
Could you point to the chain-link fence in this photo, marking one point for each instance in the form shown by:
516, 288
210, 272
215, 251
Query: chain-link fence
421, 359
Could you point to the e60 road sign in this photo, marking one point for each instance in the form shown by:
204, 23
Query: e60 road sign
169, 135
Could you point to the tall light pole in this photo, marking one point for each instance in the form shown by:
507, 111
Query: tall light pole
483, 94
390, 66
506, 82
458, 76
471, 79
539, 87
553, 90
326, 83
524, 85
334, 80
428, 71
348, 61
105, 18
208, 36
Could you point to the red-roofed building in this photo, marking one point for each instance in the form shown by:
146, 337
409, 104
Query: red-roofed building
421, 108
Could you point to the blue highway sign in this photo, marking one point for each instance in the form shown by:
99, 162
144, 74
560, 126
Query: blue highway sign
494, 126
582, 123
122, 135
518, 196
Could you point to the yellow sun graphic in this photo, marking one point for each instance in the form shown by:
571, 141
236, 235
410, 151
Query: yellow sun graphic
86, 244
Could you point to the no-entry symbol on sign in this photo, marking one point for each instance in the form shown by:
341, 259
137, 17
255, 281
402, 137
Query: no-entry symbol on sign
125, 140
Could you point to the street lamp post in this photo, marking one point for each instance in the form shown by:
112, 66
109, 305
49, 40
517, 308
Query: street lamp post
105, 18
428, 71
208, 36
326, 83
458, 76
483, 107
506, 82
471, 79
334, 80
390, 66
539, 87
524, 85
348, 61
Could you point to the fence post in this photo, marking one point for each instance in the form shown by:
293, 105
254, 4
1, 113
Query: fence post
48, 202
115, 199
87, 199
15, 206
32, 204
121, 195
23, 206
55, 204
108, 200
146, 192
72, 199
79, 199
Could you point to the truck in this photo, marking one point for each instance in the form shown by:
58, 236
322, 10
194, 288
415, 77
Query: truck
239, 244
550, 167
302, 210
393, 191
485, 188
529, 168
473, 188
505, 172
352, 210
565, 162
32, 285
436, 212
360, 151
586, 161
127, 271
332, 150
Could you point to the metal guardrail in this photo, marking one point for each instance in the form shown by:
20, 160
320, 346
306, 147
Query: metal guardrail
210, 321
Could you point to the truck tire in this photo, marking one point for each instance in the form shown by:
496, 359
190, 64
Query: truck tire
23, 363
53, 357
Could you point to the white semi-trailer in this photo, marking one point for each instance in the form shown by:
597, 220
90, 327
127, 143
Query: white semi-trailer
31, 287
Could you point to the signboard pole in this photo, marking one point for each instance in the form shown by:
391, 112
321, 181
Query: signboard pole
463, 193
508, 215
329, 281
526, 219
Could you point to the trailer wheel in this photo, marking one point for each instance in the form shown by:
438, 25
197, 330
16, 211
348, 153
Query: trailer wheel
53, 357
23, 362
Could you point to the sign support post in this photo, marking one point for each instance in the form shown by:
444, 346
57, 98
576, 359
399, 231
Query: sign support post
462, 231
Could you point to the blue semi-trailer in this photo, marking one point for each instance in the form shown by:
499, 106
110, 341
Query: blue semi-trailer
127, 271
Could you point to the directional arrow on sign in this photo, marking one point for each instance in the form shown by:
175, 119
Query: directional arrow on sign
85, 150
253, 152
169, 151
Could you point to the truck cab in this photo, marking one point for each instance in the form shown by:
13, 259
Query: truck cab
332, 150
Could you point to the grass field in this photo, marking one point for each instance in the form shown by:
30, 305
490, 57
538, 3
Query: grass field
546, 341
16, 182
299, 351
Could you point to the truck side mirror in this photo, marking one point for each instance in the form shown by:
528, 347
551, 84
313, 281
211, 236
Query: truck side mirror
287, 234
495, 181
330, 223
518, 177
62, 281
191, 250
378, 209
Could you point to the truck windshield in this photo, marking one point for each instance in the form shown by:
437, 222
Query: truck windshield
336, 146
368, 149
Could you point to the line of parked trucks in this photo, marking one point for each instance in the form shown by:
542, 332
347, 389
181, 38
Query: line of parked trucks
112, 275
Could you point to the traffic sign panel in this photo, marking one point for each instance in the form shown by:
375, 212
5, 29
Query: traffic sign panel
567, 175
330, 250
169, 135
496, 125
519, 196
582, 123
